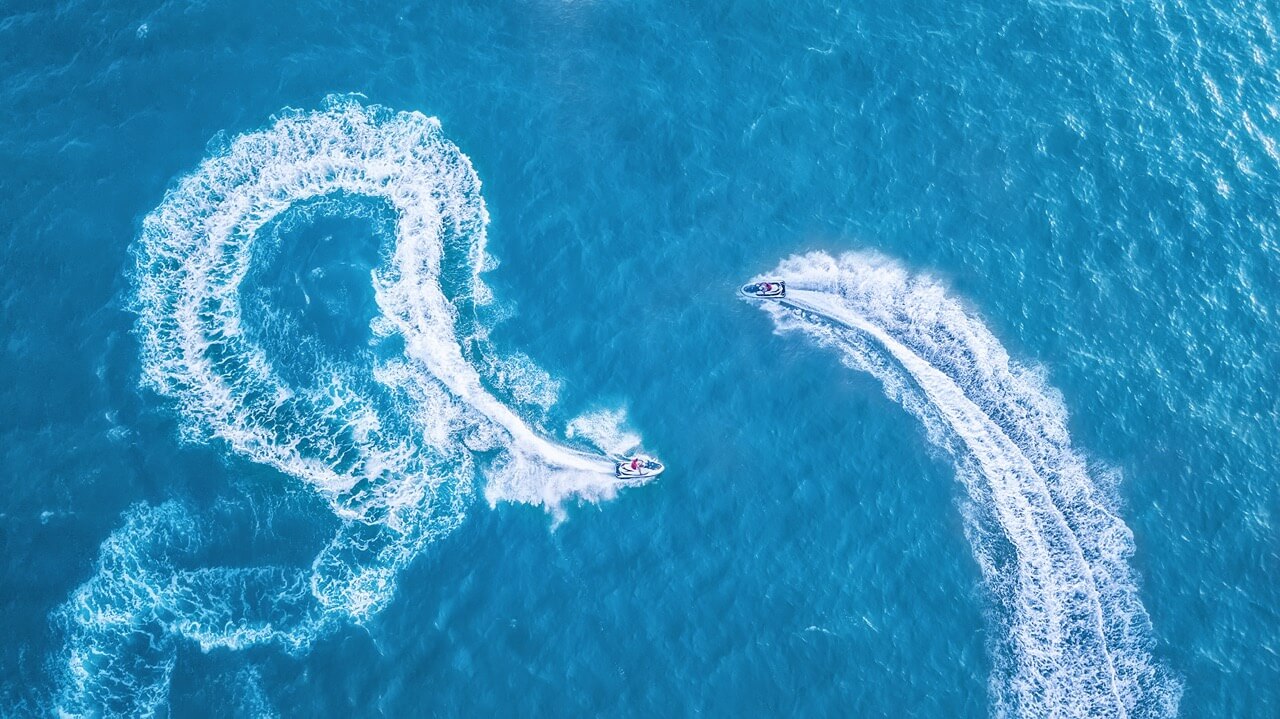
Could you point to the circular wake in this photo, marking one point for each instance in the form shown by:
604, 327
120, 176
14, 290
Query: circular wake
388, 433
195, 251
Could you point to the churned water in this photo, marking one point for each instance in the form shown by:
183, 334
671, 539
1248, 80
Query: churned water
323, 325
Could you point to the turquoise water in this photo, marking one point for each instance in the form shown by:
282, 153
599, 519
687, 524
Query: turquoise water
310, 397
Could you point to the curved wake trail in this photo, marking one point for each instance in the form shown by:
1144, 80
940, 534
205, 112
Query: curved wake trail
1077, 639
390, 435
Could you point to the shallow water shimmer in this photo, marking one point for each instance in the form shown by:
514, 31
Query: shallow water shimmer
324, 325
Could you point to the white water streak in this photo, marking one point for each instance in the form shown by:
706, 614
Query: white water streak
1076, 638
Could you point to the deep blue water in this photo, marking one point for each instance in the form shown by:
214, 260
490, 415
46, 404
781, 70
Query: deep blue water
1091, 186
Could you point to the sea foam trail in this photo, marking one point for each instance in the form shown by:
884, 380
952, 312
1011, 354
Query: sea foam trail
195, 251
391, 440
1075, 640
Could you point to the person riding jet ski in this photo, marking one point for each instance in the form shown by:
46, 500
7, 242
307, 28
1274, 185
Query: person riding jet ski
766, 290
638, 467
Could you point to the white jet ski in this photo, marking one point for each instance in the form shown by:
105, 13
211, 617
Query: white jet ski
766, 290
638, 467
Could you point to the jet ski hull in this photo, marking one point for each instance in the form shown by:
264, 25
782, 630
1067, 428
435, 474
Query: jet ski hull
765, 290
638, 467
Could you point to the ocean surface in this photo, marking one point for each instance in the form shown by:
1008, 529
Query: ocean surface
323, 324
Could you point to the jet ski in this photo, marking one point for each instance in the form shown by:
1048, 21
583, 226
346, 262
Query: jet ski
638, 467
766, 290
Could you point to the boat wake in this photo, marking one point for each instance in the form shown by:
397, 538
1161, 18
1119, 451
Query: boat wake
1074, 639
392, 436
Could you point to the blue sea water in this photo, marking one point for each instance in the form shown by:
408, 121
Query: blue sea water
307, 395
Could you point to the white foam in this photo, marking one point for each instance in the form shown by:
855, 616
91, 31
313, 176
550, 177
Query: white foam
606, 430
123, 626
526, 382
1076, 638
195, 250
387, 445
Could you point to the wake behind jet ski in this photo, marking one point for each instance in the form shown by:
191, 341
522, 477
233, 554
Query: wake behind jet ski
766, 290
638, 467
